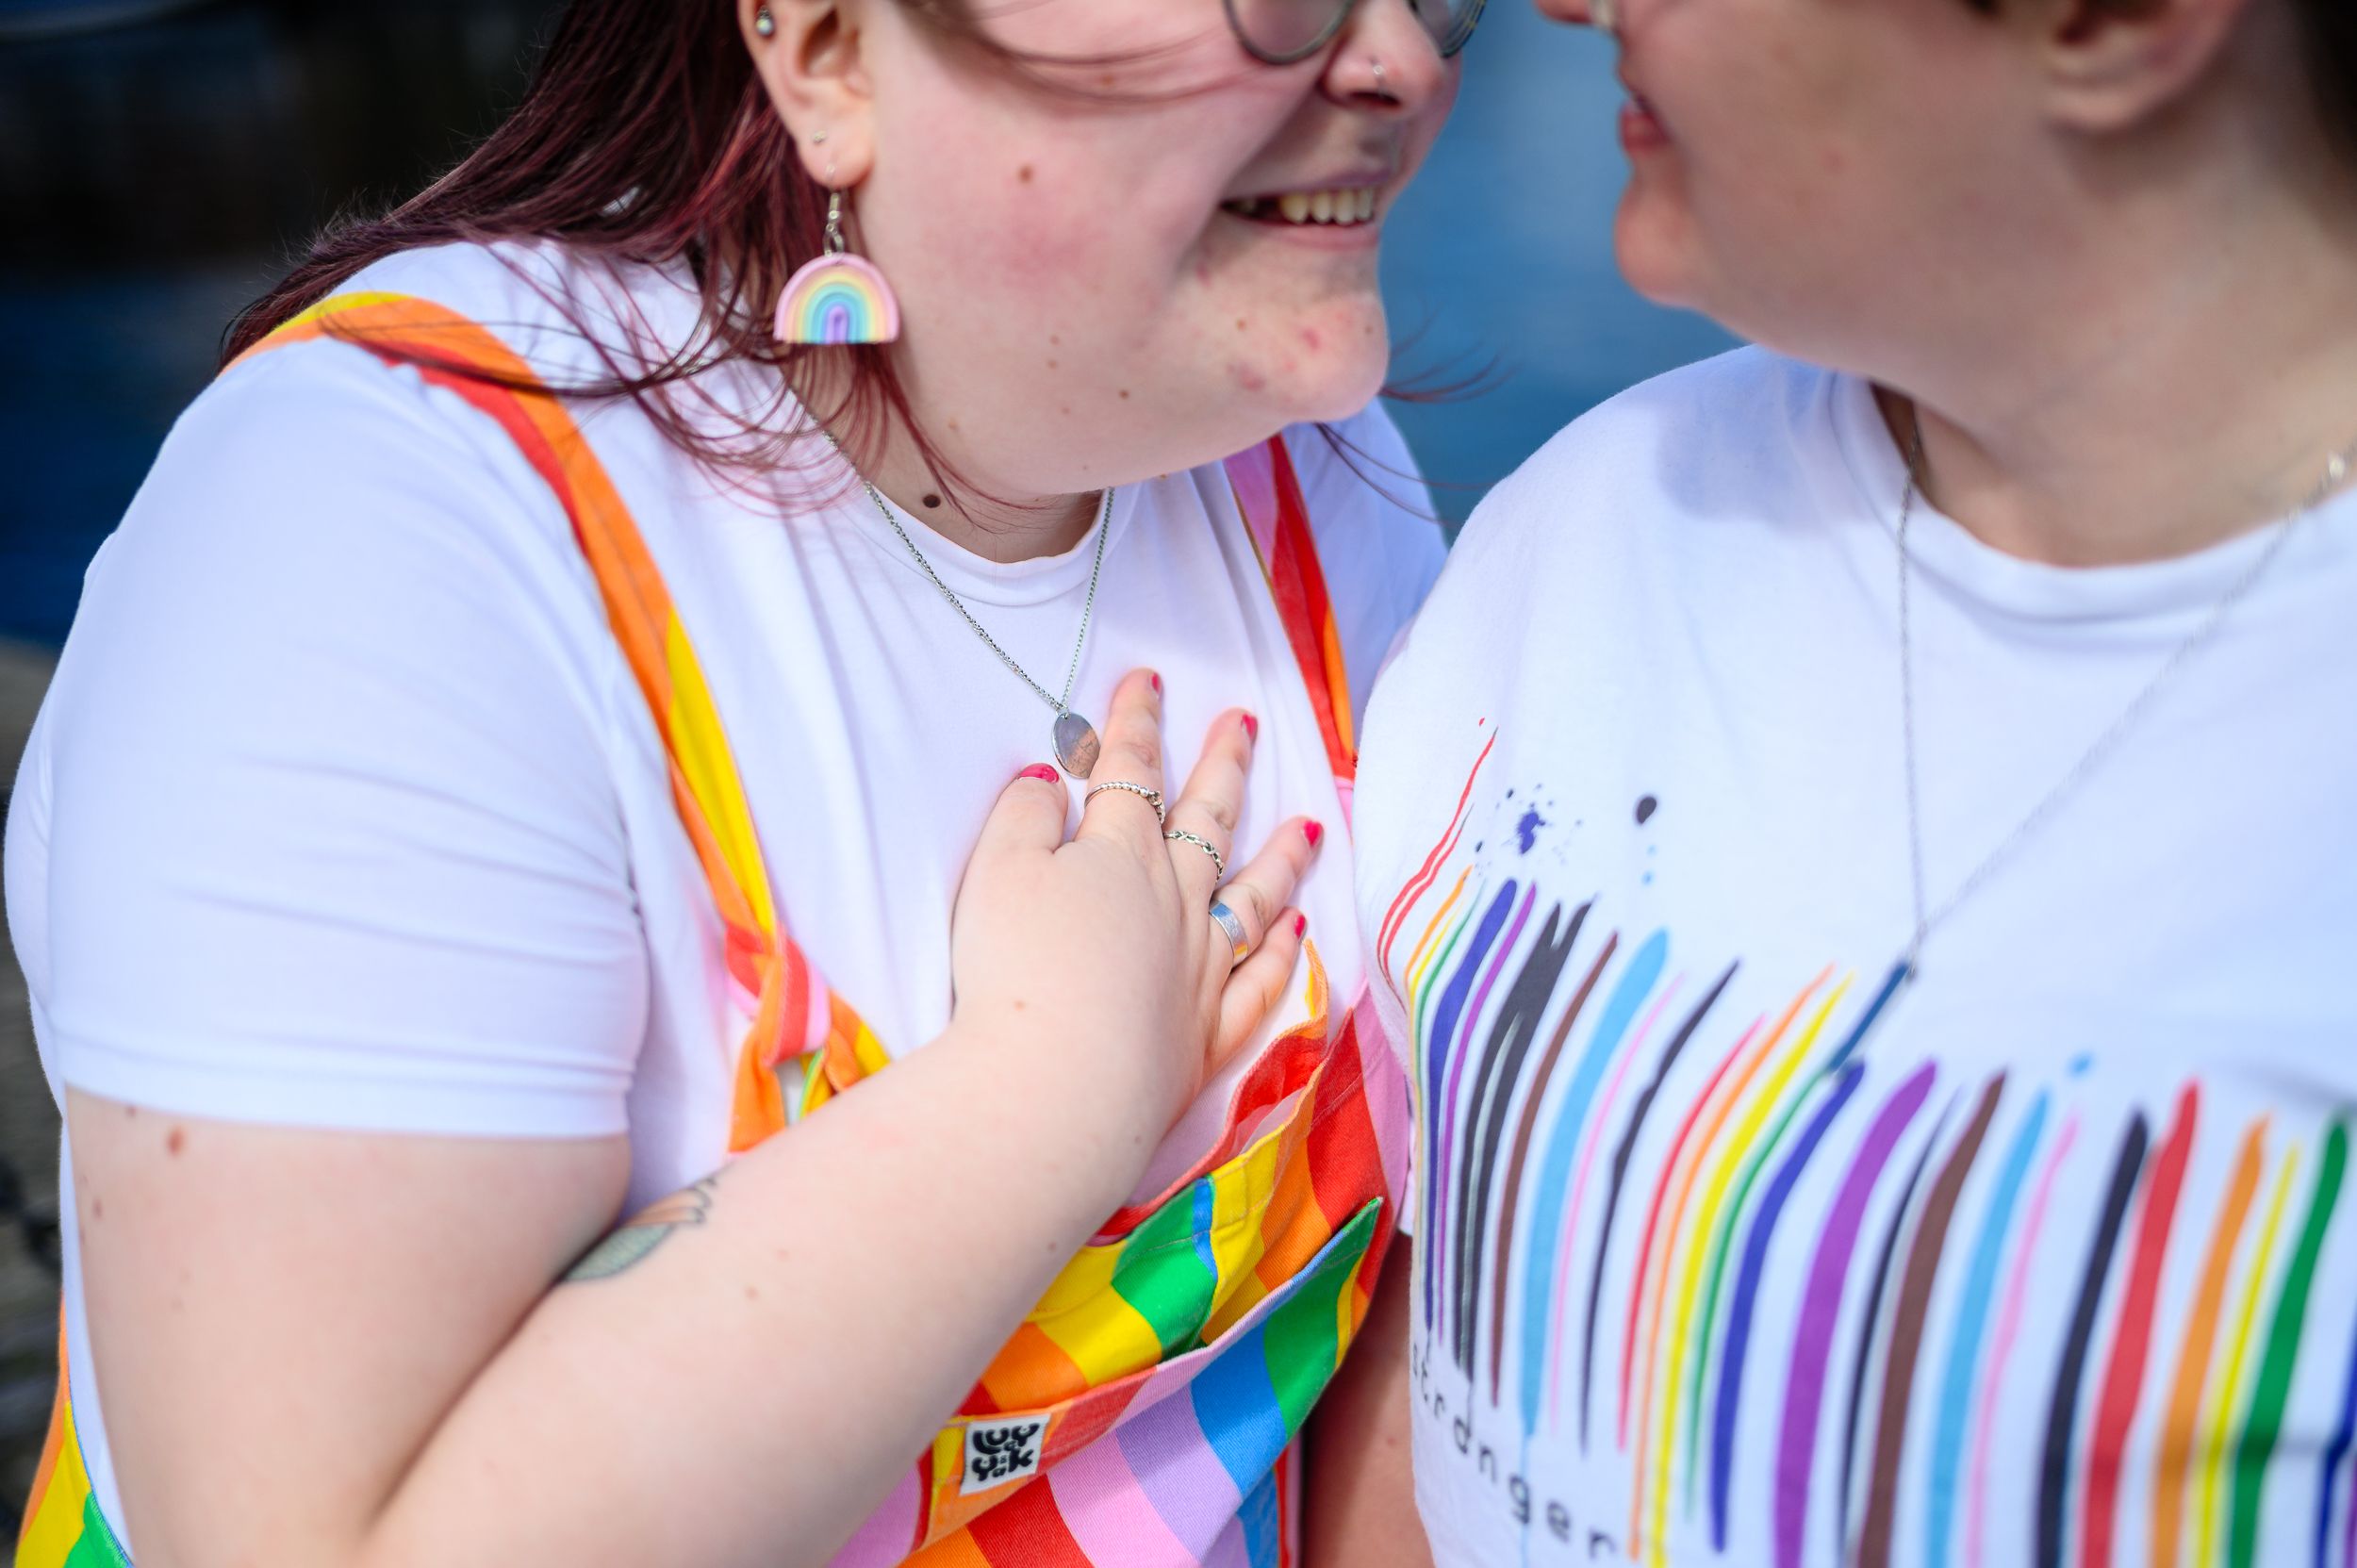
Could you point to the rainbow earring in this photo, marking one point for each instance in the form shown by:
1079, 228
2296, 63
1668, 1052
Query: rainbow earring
837, 297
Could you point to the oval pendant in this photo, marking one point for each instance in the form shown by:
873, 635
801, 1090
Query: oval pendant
1076, 745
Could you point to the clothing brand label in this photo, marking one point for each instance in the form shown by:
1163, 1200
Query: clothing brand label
1001, 1451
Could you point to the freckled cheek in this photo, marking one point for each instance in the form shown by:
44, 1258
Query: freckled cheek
1011, 240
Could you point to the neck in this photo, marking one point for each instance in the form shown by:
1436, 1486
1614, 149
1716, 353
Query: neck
2181, 377
976, 514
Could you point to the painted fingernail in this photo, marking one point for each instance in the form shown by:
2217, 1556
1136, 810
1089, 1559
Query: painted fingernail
1157, 679
1314, 832
1039, 771
1301, 924
1251, 727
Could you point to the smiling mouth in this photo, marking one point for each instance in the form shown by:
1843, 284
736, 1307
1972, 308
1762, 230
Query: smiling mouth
1341, 208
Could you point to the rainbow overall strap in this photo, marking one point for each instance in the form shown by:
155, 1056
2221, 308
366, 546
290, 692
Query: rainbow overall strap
1143, 1413
1277, 514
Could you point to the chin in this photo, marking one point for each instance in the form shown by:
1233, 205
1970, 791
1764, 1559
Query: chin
1654, 245
1343, 375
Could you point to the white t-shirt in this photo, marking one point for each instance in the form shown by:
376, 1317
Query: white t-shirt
2056, 1264
345, 811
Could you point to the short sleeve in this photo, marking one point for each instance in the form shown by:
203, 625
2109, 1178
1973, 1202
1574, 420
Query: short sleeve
328, 831
1379, 543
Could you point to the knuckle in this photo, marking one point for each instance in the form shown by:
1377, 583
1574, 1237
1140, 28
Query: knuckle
1197, 818
1144, 745
1250, 904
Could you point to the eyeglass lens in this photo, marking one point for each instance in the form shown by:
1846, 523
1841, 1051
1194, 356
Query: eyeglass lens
1283, 31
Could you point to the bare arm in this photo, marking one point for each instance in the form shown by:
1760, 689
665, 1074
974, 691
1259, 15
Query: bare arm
347, 1351
1358, 1508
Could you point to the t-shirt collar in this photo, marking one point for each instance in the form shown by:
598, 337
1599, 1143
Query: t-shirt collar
1946, 551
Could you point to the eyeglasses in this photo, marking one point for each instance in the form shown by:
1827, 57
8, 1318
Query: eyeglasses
1283, 32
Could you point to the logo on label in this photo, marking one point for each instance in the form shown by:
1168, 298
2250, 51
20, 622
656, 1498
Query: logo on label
1001, 1451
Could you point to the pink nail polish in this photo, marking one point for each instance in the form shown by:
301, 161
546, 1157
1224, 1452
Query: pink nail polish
1301, 924
1314, 832
1158, 682
1251, 727
1039, 771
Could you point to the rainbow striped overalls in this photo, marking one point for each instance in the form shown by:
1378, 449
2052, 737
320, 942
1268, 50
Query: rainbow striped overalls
1145, 1412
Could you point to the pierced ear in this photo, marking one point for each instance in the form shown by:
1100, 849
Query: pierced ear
2113, 64
809, 59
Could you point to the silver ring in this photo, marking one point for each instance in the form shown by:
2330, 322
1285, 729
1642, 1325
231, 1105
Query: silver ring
1151, 796
1225, 917
1219, 862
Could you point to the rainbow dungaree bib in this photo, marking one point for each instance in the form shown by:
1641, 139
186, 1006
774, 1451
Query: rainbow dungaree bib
1145, 1412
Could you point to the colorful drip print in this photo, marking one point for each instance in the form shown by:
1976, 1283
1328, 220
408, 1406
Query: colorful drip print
1702, 1281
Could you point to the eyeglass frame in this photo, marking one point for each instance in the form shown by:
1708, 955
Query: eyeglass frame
1459, 37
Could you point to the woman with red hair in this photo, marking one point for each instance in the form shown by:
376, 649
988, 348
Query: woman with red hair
516, 767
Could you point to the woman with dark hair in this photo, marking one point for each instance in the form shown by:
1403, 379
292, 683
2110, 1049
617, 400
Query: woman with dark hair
1864, 843
518, 763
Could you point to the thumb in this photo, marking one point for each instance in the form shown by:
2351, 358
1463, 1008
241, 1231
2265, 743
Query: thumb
1029, 818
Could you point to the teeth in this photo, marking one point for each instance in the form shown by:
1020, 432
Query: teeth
1310, 206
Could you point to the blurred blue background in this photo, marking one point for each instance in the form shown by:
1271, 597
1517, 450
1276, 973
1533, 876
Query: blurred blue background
161, 159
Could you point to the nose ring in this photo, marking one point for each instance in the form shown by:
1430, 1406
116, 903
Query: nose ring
1375, 63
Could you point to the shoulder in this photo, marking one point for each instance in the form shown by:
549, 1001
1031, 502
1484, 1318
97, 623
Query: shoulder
1704, 498
568, 315
1726, 442
316, 497
301, 427
1669, 443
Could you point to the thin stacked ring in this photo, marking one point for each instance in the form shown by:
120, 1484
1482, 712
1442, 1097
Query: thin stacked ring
1219, 862
1151, 796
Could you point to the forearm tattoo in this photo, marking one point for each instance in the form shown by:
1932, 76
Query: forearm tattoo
640, 1234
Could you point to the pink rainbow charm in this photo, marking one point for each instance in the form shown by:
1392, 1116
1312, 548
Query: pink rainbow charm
837, 299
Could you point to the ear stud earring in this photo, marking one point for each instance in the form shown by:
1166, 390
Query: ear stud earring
764, 24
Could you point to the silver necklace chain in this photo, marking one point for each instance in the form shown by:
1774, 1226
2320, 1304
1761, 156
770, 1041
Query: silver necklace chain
1062, 705
2195, 643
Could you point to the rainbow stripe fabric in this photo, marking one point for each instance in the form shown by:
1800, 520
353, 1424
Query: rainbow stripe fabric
1144, 1411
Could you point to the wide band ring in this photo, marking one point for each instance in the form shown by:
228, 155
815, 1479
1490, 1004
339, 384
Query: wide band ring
1151, 796
1240, 947
1219, 862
